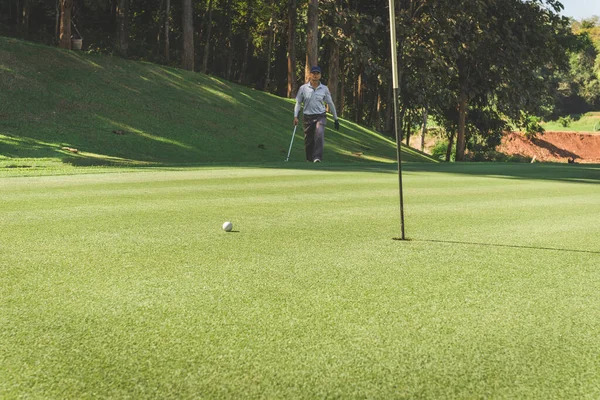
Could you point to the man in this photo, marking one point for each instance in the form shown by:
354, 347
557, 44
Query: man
314, 95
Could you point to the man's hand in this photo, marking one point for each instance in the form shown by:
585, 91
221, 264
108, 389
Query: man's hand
337, 125
295, 121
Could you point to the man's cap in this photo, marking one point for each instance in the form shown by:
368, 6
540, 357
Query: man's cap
315, 69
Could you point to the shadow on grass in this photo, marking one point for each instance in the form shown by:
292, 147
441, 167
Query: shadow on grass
576, 173
512, 246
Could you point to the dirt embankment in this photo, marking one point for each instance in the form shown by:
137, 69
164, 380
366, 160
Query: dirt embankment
554, 146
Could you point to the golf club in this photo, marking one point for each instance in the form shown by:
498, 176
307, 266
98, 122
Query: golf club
289, 151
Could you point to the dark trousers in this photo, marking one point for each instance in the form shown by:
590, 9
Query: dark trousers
314, 136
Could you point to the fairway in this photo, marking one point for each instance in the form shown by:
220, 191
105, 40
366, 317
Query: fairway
124, 285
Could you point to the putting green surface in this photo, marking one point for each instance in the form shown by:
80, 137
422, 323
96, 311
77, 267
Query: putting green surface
124, 285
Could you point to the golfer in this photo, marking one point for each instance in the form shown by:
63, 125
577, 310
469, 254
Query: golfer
314, 95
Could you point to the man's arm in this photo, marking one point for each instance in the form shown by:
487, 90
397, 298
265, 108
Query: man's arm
299, 101
329, 102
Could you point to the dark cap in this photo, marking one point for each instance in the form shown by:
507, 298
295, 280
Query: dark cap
315, 69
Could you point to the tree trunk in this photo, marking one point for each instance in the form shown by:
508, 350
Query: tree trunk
359, 101
378, 110
78, 18
66, 7
407, 126
312, 37
388, 127
23, 26
460, 139
291, 49
334, 72
208, 31
187, 59
122, 27
247, 39
449, 149
229, 41
57, 20
424, 129
167, 29
342, 99
270, 38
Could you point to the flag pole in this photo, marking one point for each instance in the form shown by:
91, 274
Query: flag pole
394, 58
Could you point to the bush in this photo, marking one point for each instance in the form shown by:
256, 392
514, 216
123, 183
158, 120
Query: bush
496, 156
532, 126
565, 121
439, 150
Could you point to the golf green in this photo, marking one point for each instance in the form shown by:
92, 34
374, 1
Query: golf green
124, 285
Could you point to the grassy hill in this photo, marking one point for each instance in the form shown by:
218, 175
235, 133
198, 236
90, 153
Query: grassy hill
116, 111
588, 122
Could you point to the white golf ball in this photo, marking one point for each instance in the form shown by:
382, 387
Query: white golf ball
227, 226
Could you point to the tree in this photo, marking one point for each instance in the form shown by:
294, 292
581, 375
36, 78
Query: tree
291, 49
188, 56
167, 30
503, 53
247, 40
312, 37
122, 12
208, 32
66, 7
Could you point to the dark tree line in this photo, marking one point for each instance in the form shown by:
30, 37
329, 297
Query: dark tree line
473, 66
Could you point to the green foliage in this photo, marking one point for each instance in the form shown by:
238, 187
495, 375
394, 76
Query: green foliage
485, 130
496, 156
531, 125
565, 121
440, 150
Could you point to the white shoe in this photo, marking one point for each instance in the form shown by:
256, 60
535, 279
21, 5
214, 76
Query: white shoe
316, 160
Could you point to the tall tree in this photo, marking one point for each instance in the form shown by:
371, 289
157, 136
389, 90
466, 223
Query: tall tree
167, 29
187, 59
208, 33
247, 40
312, 37
66, 7
24, 18
291, 49
270, 39
122, 11
229, 40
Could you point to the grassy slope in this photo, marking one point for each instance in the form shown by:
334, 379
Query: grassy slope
125, 286
588, 122
53, 98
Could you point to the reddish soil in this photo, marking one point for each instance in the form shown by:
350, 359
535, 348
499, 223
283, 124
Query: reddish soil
554, 146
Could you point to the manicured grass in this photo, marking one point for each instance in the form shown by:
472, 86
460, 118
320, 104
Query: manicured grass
124, 285
57, 99
588, 122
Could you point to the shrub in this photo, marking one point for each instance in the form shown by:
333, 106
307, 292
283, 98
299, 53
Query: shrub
532, 125
496, 156
439, 150
565, 121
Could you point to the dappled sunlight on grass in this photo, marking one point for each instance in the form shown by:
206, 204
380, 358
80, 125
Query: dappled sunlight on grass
86, 158
132, 89
18, 146
83, 59
130, 129
217, 93
116, 109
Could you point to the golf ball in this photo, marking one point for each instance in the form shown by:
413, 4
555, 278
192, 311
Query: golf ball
227, 226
